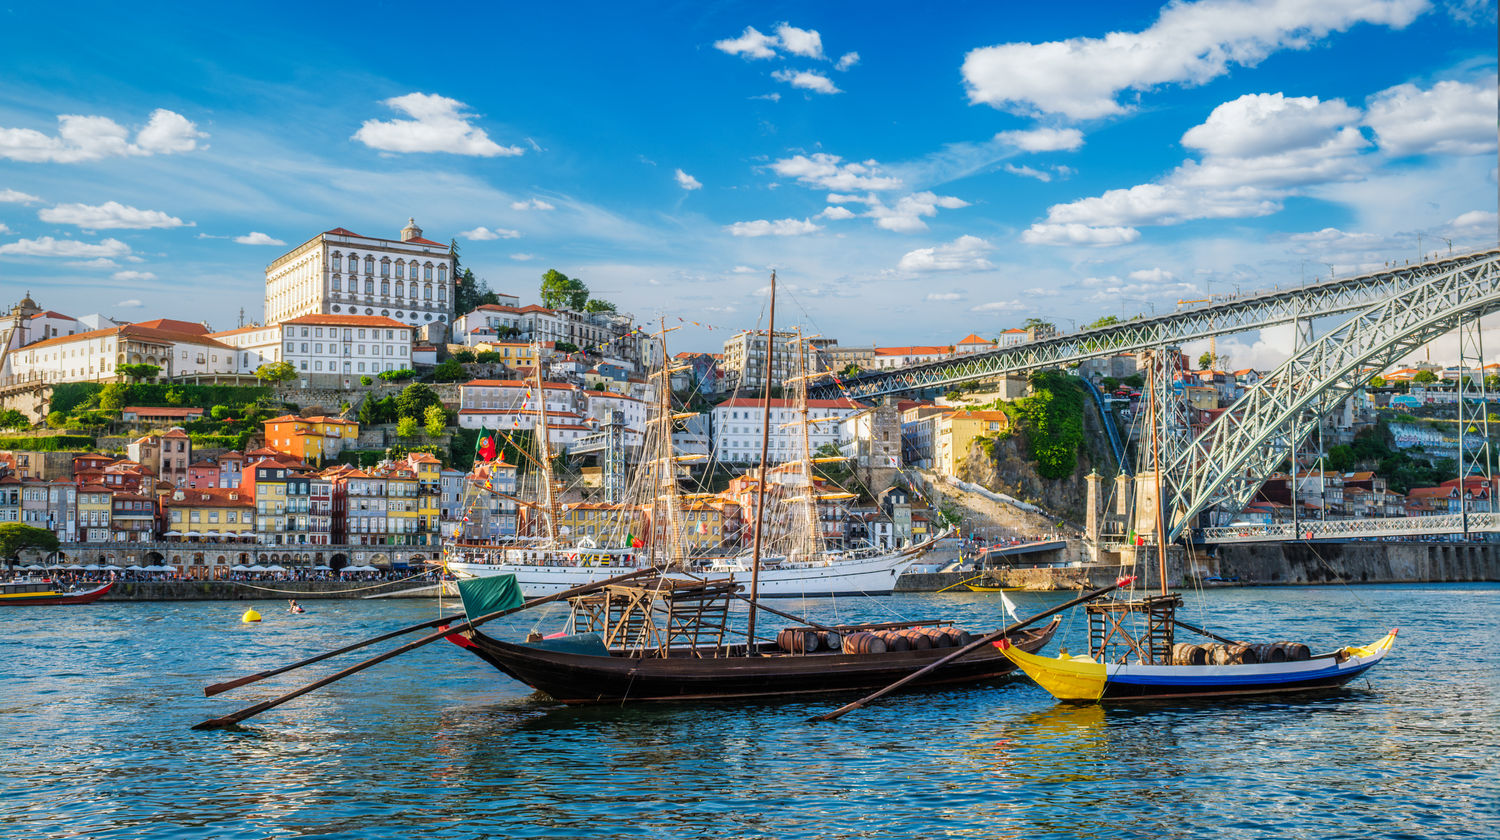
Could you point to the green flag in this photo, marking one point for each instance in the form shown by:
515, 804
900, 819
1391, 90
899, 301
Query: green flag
485, 595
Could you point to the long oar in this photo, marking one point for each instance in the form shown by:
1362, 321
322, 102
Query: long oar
251, 711
960, 583
972, 646
218, 688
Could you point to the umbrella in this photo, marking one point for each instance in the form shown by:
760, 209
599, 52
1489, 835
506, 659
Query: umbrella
111, 568
72, 567
34, 567
318, 568
256, 568
275, 568
172, 534
134, 568
239, 567
92, 567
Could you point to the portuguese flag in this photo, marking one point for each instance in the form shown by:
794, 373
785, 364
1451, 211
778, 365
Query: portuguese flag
484, 447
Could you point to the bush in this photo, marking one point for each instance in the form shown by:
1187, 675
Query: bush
68, 395
47, 443
489, 357
235, 441
397, 375
449, 371
464, 356
220, 412
12, 419
366, 381
406, 427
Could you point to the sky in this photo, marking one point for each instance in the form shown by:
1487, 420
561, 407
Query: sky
912, 172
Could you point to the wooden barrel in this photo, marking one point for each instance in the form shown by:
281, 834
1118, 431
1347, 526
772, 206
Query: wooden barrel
939, 637
1243, 655
1218, 655
960, 637
894, 641
797, 640
1189, 654
864, 642
917, 639
832, 639
1270, 653
1295, 651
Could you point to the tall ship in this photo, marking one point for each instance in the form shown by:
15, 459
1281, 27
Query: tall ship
794, 562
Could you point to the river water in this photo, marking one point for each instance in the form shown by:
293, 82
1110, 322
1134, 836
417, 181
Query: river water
96, 704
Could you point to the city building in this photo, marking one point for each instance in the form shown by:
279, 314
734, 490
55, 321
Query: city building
744, 363
957, 431
179, 349
311, 440
211, 512
329, 351
736, 426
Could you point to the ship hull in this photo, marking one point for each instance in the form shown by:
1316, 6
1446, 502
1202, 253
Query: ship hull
53, 598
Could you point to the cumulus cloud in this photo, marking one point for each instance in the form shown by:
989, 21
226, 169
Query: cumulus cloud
827, 172
46, 246
779, 227
1450, 118
437, 124
522, 257
531, 204
1043, 233
483, 233
130, 303
963, 253
906, 215
109, 215
3, 228
134, 275
1043, 139
804, 42
1190, 44
1152, 275
100, 262
770, 97
836, 213
807, 80
1476, 219
84, 138
16, 197
939, 297
751, 44
1001, 306
847, 60
743, 269
687, 181
255, 237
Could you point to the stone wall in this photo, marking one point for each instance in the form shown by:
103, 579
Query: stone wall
1358, 562
218, 590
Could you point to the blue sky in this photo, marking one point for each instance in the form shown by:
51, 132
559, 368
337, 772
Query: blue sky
915, 172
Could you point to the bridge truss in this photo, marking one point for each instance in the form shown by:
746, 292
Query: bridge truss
1287, 306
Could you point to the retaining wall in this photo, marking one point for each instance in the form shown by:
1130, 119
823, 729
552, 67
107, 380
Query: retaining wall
1359, 562
271, 590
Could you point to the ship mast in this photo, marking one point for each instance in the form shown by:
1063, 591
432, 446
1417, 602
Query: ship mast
665, 506
544, 448
812, 541
760, 486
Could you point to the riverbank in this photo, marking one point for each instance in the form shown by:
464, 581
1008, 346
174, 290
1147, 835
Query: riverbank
228, 590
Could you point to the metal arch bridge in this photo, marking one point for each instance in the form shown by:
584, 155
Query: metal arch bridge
1235, 454
1284, 306
1337, 529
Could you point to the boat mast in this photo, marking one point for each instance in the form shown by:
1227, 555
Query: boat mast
812, 542
544, 447
760, 487
1159, 373
664, 500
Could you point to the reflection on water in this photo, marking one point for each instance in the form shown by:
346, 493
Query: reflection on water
95, 705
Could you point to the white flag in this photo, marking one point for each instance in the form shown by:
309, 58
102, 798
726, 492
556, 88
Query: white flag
1010, 606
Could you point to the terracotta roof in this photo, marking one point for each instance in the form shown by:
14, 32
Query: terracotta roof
50, 314
135, 331
973, 338
212, 497
911, 351
349, 321
173, 325
420, 241
338, 231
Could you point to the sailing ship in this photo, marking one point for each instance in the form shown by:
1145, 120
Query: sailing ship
44, 593
554, 563
1134, 654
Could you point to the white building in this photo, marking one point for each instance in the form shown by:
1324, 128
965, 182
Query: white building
326, 350
339, 272
179, 348
737, 428
744, 361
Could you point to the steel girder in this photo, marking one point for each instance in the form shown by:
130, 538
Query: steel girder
1233, 457
1316, 300
1395, 526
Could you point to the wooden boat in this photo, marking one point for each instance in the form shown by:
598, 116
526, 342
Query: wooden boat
974, 587
40, 593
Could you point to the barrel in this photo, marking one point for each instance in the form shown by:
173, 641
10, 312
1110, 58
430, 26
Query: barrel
1189, 654
894, 641
1270, 653
1295, 651
797, 640
917, 639
1218, 654
1243, 655
960, 637
864, 642
939, 637
832, 639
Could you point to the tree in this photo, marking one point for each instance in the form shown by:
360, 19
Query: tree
413, 400
176, 396
435, 420
12, 419
565, 347
489, 357
1426, 377
1106, 321
464, 356
406, 427
397, 375
15, 537
57, 420
559, 291
138, 372
1039, 325
597, 305
1377, 382
276, 372
850, 369
1206, 361
366, 381
448, 371
114, 396
220, 412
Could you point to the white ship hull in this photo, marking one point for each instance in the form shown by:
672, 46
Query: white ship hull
873, 574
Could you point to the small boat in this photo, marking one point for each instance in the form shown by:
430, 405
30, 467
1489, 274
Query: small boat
1086, 679
43, 593
974, 587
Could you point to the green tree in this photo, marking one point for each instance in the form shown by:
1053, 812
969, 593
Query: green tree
138, 372
1206, 361
1426, 377
114, 396
413, 400
1039, 325
850, 369
366, 381
16, 537
1106, 321
559, 291
57, 420
435, 420
398, 375
464, 356
176, 396
1377, 382
406, 427
597, 305
448, 370
12, 419
276, 372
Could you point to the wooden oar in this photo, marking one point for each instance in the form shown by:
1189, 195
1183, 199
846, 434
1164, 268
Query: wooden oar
219, 688
1200, 631
251, 711
972, 646
960, 583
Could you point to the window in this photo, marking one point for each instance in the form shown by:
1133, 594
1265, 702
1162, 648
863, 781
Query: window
290, 347
317, 365
400, 289
400, 271
317, 348
304, 345
385, 268
361, 333
369, 265
369, 287
427, 272
390, 335
442, 293
442, 273
304, 365
353, 263
427, 293
318, 332
385, 287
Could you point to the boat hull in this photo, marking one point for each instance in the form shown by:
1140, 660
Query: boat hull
599, 677
52, 599
1082, 680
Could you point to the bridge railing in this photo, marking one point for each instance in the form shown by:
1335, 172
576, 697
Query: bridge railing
1396, 526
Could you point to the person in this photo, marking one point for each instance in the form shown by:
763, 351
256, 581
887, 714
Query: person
292, 606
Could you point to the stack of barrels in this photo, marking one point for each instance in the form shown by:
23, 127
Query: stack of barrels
807, 640
1186, 654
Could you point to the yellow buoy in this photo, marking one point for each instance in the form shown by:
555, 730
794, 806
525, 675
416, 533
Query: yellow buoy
250, 615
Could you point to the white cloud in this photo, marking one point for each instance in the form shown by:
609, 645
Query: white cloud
827, 172
1450, 118
836, 213
944, 296
46, 246
1043, 139
130, 303
1476, 219
847, 60
483, 233
963, 253
1028, 172
743, 269
109, 215
687, 181
84, 138
1190, 43
100, 262
1152, 275
779, 227
438, 124
1001, 306
750, 44
807, 80
1261, 124
1332, 239
1075, 234
3, 228
772, 97
531, 204
255, 237
804, 42
133, 275
16, 197
907, 214
523, 257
